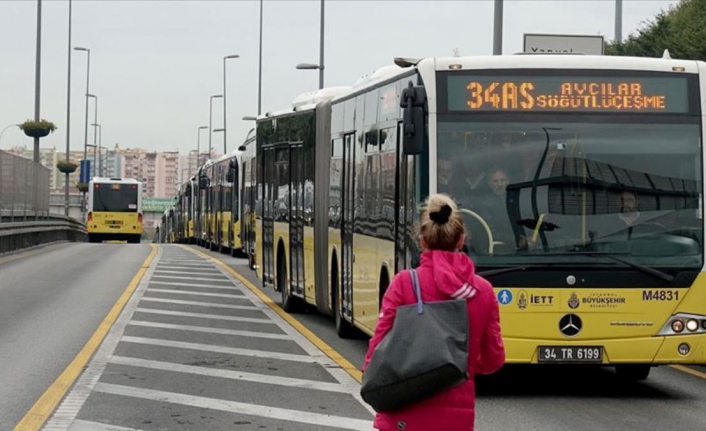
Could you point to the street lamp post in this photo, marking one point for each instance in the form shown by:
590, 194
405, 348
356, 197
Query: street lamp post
227, 57
100, 147
198, 146
95, 121
320, 66
85, 133
498, 28
68, 119
38, 77
619, 21
210, 121
259, 70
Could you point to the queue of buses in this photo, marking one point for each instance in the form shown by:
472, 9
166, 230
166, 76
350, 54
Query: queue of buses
580, 179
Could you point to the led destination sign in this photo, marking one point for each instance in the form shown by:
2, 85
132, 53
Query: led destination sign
567, 94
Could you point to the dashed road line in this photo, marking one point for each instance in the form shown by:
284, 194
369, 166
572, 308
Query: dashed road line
208, 286
227, 374
192, 293
209, 330
198, 303
204, 316
220, 349
236, 407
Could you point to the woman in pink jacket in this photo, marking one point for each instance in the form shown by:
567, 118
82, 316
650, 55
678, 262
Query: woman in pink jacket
444, 273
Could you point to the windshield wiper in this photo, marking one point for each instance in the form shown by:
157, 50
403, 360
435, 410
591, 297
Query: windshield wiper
646, 269
499, 271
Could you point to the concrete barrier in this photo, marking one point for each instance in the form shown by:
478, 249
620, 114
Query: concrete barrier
20, 235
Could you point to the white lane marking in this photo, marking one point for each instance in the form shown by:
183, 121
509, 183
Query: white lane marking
204, 316
208, 286
161, 271
209, 330
189, 264
227, 374
67, 411
194, 270
199, 303
82, 425
236, 407
189, 292
333, 368
219, 349
176, 277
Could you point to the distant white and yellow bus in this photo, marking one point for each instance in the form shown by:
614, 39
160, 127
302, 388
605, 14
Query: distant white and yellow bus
580, 179
114, 210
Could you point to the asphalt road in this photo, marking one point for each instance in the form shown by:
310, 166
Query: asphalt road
51, 302
191, 352
554, 399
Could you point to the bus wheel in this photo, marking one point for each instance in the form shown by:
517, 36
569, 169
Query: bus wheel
290, 303
633, 372
93, 238
134, 239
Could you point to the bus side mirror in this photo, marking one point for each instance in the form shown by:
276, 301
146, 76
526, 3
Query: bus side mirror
413, 131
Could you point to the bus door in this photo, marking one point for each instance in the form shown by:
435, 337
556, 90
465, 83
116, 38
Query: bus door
348, 211
296, 217
268, 209
404, 202
234, 190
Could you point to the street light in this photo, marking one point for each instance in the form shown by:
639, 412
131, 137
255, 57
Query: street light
100, 144
3, 130
96, 159
210, 122
68, 118
320, 66
85, 133
227, 57
249, 118
198, 145
259, 67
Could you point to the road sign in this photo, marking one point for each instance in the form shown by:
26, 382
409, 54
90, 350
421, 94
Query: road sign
568, 43
84, 171
156, 205
505, 297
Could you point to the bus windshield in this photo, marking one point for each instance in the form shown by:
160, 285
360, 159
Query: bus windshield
533, 192
115, 197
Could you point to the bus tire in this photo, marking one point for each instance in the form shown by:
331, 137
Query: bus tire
633, 372
93, 238
290, 303
134, 239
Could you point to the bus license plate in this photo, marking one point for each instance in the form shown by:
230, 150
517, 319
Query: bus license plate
570, 354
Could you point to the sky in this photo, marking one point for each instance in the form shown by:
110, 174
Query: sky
155, 64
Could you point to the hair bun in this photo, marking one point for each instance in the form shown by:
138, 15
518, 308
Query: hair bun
442, 216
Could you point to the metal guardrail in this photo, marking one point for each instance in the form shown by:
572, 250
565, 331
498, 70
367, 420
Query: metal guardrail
20, 235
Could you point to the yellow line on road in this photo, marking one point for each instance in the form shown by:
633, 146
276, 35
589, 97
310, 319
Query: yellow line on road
688, 370
318, 342
46, 404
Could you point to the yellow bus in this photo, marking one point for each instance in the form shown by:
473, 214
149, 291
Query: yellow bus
114, 210
580, 179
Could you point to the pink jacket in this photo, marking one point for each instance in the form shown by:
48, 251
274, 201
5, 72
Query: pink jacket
444, 275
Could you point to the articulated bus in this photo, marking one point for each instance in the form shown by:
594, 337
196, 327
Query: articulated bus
580, 179
114, 210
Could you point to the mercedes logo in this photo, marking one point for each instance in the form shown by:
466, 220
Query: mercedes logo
570, 325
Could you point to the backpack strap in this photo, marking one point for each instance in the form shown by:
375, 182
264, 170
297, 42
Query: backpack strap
417, 290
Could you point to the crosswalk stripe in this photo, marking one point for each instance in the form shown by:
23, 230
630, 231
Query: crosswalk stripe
196, 270
209, 330
161, 271
236, 407
219, 349
176, 277
189, 292
83, 425
227, 374
208, 286
199, 303
204, 315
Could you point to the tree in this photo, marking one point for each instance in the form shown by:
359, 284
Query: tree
681, 30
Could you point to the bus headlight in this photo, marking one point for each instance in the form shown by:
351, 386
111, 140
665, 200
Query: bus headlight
692, 325
682, 323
